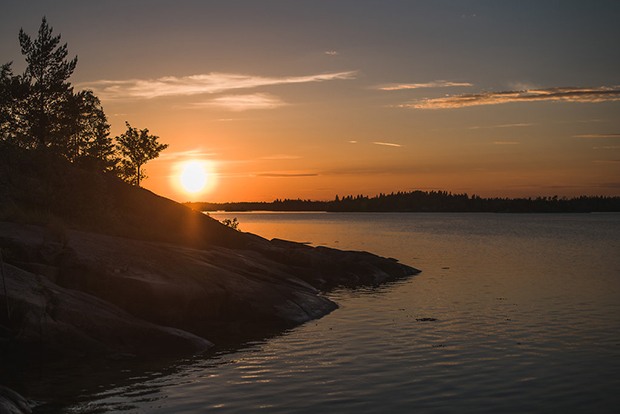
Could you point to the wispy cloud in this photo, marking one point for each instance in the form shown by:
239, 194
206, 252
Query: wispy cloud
286, 175
609, 185
243, 102
197, 153
280, 157
596, 94
500, 126
352, 142
506, 143
598, 136
387, 144
433, 84
331, 52
197, 84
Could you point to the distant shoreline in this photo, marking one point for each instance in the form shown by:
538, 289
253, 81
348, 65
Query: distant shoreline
399, 212
425, 202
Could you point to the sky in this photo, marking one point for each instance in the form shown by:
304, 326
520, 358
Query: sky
280, 99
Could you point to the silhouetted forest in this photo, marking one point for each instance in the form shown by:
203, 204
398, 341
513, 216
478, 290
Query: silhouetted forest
429, 201
40, 111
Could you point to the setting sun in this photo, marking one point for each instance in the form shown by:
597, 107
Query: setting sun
193, 177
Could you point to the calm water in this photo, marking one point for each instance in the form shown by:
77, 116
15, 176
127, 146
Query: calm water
524, 317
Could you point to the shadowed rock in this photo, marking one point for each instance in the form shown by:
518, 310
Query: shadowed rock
12, 403
65, 321
110, 294
116, 268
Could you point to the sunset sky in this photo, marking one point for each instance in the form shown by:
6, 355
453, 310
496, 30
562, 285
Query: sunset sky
313, 99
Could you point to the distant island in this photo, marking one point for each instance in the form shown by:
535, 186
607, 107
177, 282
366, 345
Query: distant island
427, 201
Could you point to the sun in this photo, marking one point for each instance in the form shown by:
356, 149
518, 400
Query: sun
193, 177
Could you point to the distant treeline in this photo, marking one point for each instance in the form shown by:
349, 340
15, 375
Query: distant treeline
428, 201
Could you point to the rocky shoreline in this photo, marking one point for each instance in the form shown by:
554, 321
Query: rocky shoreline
87, 293
99, 270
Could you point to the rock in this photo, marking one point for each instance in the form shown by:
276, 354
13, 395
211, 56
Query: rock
68, 322
105, 293
194, 289
326, 268
12, 403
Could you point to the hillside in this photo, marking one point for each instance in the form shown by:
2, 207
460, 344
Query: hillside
97, 266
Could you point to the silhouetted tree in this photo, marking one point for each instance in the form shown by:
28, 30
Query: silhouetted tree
7, 101
89, 142
48, 69
40, 109
139, 147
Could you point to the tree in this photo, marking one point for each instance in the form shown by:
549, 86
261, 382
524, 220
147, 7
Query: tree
7, 102
40, 110
12, 93
139, 147
89, 142
46, 74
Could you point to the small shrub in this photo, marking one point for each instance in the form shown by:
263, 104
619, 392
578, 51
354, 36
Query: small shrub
233, 224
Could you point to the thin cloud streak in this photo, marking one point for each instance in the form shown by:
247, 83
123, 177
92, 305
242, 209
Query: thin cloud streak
500, 126
598, 136
609, 185
596, 94
286, 175
434, 84
506, 143
197, 84
186, 154
243, 102
280, 157
388, 144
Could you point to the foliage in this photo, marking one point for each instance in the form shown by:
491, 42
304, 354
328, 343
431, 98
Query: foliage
39, 110
12, 93
47, 73
233, 224
139, 147
443, 201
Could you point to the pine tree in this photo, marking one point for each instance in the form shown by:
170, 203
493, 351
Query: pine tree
46, 74
89, 142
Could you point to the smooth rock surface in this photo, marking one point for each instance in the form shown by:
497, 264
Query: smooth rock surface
66, 321
95, 293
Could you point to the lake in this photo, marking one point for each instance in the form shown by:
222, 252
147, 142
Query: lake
511, 314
